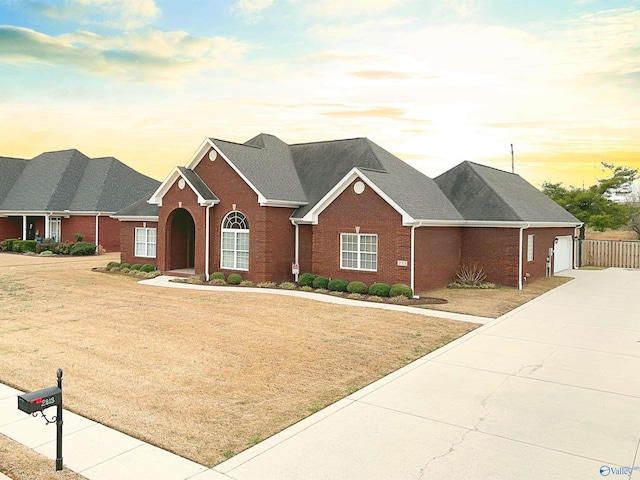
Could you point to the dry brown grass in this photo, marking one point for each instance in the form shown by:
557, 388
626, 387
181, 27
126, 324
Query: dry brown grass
623, 233
491, 303
203, 374
20, 462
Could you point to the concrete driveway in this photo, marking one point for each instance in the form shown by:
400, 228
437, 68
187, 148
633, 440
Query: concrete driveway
549, 391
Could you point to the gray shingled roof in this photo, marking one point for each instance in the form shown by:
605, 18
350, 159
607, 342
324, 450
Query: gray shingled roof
322, 165
488, 194
69, 180
267, 163
141, 208
11, 169
201, 188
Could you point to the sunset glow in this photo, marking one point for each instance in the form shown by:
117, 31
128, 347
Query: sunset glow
435, 83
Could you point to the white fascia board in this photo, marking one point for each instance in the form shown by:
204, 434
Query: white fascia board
312, 215
487, 224
130, 218
199, 154
52, 213
156, 198
265, 202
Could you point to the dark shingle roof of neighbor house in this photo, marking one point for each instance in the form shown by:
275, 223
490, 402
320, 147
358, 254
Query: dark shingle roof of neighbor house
320, 166
11, 169
484, 193
69, 180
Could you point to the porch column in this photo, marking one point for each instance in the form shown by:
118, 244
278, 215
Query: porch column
24, 227
47, 233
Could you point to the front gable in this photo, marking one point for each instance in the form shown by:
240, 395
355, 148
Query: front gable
354, 177
184, 177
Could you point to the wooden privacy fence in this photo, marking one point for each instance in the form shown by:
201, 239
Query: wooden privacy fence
611, 253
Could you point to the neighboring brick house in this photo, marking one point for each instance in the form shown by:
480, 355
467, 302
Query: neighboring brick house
344, 209
58, 194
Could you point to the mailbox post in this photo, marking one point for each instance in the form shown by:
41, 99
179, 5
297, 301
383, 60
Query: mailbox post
36, 402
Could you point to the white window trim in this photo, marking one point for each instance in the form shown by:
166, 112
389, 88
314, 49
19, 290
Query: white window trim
55, 221
235, 251
146, 242
359, 252
530, 240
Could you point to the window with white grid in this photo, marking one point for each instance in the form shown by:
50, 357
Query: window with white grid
145, 241
235, 242
359, 251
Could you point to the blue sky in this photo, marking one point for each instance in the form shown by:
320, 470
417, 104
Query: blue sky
434, 82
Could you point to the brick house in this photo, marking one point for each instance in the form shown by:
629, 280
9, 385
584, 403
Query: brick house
344, 209
58, 194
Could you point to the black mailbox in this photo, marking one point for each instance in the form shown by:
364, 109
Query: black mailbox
39, 400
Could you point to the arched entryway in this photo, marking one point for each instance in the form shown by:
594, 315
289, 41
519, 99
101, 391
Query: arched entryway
181, 240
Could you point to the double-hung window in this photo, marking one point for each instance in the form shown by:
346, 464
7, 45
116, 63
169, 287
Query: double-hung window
145, 242
235, 242
359, 251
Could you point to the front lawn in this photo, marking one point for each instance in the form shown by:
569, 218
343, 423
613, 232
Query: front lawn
204, 374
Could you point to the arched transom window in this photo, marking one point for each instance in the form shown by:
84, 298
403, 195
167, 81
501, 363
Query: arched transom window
235, 242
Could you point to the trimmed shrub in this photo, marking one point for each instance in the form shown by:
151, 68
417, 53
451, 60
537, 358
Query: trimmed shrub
194, 280
234, 279
357, 287
136, 266
111, 265
125, 265
320, 282
28, 245
400, 289
379, 289
148, 268
306, 279
16, 246
83, 248
338, 285
217, 276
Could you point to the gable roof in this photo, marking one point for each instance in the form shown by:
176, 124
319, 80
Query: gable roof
323, 165
69, 180
487, 194
191, 178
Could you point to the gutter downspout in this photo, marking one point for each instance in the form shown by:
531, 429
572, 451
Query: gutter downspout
520, 257
207, 243
296, 253
413, 258
97, 230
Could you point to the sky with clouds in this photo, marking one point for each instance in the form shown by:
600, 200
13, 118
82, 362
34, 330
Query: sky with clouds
435, 82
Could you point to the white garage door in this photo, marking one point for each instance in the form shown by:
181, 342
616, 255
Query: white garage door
563, 253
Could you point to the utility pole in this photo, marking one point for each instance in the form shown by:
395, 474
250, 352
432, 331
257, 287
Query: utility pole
513, 167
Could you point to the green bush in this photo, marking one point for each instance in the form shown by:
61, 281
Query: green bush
136, 266
79, 236
8, 244
357, 287
61, 248
321, 282
125, 265
28, 246
234, 279
217, 276
46, 252
400, 289
306, 279
16, 247
379, 289
83, 248
111, 265
338, 285
147, 268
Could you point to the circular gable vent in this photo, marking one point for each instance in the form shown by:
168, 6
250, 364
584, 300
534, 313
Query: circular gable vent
213, 155
181, 183
358, 187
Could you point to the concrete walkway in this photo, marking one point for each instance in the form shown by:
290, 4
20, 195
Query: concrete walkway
550, 390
